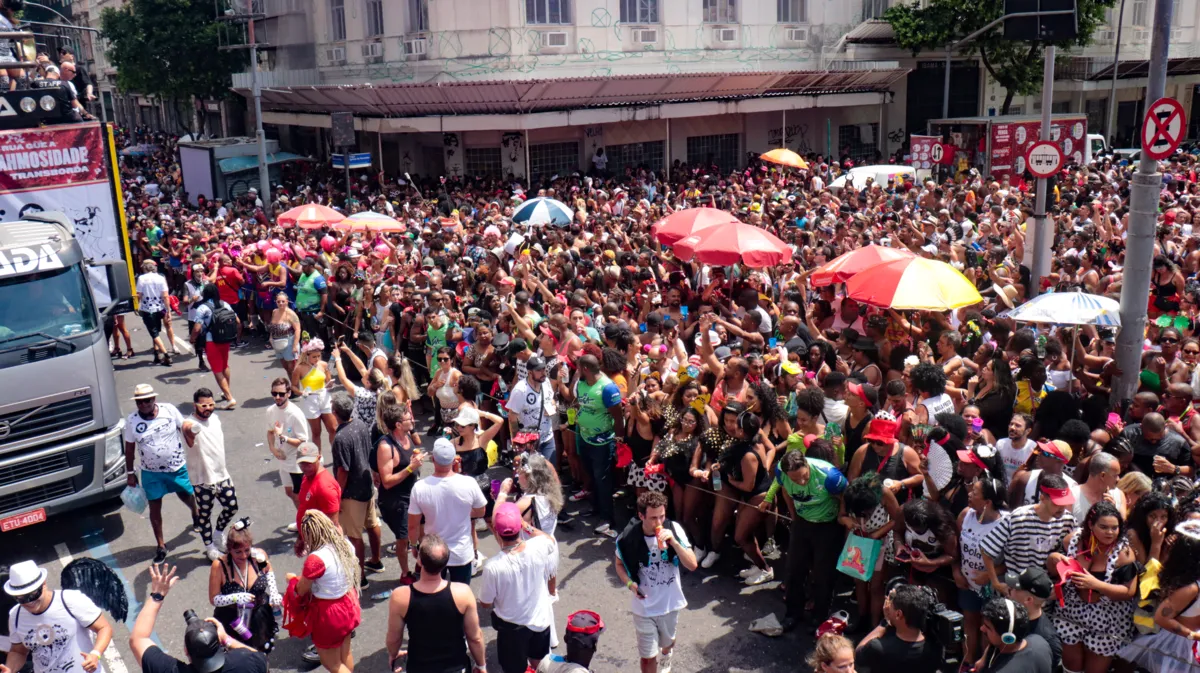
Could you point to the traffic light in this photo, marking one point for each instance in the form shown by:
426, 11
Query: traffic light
1055, 28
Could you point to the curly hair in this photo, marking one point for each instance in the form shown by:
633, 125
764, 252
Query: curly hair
827, 648
543, 480
1099, 510
863, 495
928, 379
768, 402
922, 514
1182, 566
811, 401
1139, 518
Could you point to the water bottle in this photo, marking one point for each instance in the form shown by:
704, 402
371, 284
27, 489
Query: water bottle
716, 479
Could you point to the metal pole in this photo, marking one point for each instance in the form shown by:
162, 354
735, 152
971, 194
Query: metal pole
1112, 94
264, 176
667, 145
1143, 217
528, 167
1044, 234
346, 166
946, 87
783, 131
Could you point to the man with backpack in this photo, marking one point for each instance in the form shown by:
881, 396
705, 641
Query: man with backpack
217, 320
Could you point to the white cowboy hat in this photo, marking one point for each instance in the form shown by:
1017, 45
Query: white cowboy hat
23, 578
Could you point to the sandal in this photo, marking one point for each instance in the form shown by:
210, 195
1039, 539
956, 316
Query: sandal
128, 354
230, 405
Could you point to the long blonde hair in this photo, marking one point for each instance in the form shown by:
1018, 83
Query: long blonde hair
405, 380
319, 532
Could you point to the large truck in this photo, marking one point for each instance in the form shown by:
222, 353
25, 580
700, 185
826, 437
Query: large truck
997, 145
64, 272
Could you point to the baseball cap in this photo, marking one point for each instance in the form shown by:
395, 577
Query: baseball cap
866, 392
203, 646
467, 416
723, 353
535, 363
507, 519
1057, 449
443, 452
308, 453
790, 367
1033, 579
1063, 497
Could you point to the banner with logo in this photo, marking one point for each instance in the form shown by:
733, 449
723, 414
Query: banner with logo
70, 169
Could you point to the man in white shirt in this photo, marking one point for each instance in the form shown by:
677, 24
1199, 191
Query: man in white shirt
152, 433
1016, 448
448, 502
154, 306
53, 626
531, 406
287, 429
206, 468
518, 585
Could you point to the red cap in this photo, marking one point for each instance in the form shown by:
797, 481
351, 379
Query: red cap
1063, 497
969, 456
1051, 449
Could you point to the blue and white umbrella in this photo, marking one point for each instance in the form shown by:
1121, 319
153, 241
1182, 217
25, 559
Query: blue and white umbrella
542, 210
1069, 308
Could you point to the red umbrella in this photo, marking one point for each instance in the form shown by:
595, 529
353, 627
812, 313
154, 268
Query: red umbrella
843, 268
683, 223
728, 244
310, 216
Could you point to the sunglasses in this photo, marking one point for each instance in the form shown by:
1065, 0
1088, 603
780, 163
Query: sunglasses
1188, 352
1168, 340
279, 394
443, 359
1047, 454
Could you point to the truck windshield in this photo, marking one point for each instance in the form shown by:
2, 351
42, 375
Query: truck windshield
55, 303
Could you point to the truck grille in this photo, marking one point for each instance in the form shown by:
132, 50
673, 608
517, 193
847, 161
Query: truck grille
20, 426
12, 474
36, 496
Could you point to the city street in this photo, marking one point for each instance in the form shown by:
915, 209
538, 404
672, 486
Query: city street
713, 630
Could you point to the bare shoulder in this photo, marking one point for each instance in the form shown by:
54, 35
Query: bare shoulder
463, 596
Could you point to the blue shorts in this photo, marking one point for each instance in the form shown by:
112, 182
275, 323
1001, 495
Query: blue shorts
158, 484
969, 600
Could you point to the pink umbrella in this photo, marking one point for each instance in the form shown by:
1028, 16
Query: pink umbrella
728, 244
681, 224
843, 268
310, 216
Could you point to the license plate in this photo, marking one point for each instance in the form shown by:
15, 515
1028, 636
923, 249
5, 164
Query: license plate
22, 520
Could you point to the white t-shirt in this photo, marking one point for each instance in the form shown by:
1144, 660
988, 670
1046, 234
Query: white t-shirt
158, 440
446, 502
334, 583
659, 580
150, 290
56, 637
528, 404
206, 455
295, 426
1012, 458
516, 584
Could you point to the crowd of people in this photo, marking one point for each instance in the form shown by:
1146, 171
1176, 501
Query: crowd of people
940, 486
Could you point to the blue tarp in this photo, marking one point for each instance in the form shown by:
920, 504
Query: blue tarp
250, 162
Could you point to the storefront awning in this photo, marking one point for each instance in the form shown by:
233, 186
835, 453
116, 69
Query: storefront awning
250, 162
529, 96
1134, 69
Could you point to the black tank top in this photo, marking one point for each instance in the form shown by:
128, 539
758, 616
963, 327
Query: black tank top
436, 639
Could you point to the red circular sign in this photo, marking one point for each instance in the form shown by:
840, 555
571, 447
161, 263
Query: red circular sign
1044, 159
1164, 128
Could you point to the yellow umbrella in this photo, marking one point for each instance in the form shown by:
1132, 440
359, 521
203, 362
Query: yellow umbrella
784, 158
913, 284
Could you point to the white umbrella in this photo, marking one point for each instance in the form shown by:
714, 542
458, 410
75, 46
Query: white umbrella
543, 210
1068, 308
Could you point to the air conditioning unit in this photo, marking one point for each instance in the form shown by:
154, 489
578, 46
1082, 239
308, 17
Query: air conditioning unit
646, 36
797, 35
372, 51
335, 55
1141, 36
726, 35
416, 47
1102, 36
556, 40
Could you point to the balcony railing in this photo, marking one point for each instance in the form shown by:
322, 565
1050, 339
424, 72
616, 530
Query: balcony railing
278, 78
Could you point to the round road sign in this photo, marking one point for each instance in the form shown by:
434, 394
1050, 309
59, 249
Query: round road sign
1044, 159
936, 153
1163, 128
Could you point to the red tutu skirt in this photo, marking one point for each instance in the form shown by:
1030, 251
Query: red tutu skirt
332, 620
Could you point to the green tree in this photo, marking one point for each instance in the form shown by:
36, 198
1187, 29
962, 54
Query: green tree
169, 48
1017, 66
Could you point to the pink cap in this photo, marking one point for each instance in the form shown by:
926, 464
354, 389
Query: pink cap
507, 519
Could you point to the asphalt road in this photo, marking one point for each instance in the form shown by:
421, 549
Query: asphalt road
713, 632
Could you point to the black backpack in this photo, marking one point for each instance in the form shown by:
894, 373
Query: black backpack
223, 327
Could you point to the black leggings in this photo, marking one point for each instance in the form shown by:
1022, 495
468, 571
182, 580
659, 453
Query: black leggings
208, 495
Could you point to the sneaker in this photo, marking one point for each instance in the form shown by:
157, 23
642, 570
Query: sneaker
770, 550
476, 566
291, 527
480, 526
160, 554
203, 367
664, 662
605, 530
408, 579
241, 344
581, 494
710, 560
362, 584
761, 576
699, 552
376, 566
747, 572
212, 552
166, 361
310, 655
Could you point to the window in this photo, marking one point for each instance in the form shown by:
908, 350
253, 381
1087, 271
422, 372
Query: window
1060, 107
722, 150
792, 11
635, 155
553, 158
858, 141
337, 20
1139, 14
374, 14
874, 9
1097, 110
482, 162
639, 11
720, 11
1177, 14
418, 16
547, 11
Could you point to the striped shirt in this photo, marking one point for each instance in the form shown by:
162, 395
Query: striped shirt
1022, 540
